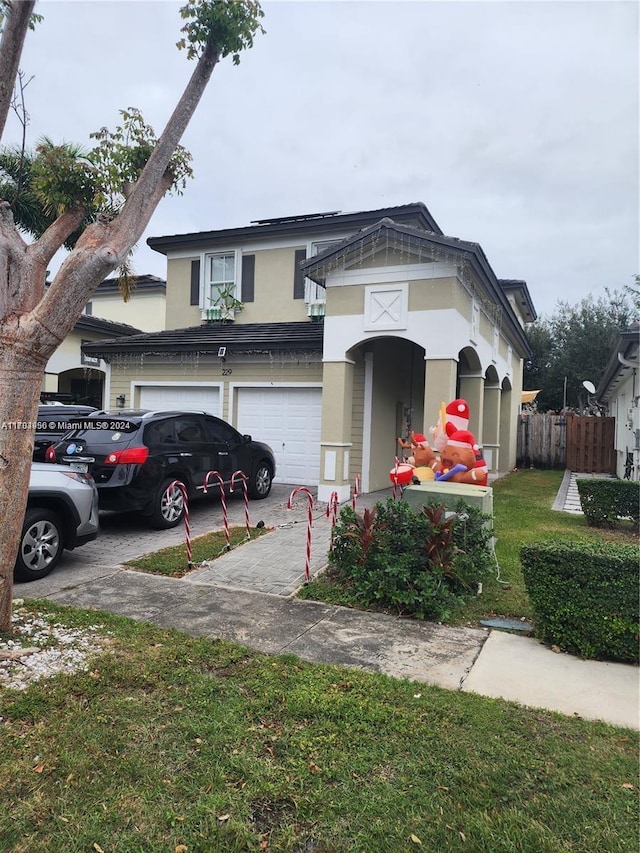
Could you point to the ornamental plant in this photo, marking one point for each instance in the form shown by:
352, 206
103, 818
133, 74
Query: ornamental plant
414, 562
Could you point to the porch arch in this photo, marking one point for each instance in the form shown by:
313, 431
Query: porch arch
85, 384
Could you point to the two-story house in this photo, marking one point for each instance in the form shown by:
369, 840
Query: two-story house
73, 375
352, 329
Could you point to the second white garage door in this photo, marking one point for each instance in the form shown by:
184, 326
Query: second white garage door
288, 420
167, 397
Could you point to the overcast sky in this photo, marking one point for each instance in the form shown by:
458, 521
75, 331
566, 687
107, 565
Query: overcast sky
516, 123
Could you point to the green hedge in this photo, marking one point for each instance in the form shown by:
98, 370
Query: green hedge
604, 501
585, 597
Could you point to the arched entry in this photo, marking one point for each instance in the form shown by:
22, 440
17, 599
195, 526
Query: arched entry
84, 384
388, 402
371, 395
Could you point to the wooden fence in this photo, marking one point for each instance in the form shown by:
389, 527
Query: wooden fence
590, 445
542, 441
581, 444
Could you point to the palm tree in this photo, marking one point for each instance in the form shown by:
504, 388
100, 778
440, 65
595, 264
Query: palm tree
38, 184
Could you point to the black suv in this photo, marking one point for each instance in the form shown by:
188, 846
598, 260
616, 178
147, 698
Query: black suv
53, 423
137, 455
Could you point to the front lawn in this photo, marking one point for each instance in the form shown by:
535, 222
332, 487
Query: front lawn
169, 744
522, 504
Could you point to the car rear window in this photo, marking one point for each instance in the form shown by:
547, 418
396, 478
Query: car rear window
58, 420
103, 431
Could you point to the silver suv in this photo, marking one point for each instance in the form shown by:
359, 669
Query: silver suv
62, 512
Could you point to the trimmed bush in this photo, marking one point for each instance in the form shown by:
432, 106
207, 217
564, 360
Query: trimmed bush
605, 501
585, 597
415, 562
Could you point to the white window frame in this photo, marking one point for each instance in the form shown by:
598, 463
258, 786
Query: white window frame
314, 292
205, 282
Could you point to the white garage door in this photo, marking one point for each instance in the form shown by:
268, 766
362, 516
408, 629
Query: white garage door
288, 420
168, 397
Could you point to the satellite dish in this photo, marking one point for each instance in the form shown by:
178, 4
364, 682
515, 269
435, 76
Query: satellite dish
591, 388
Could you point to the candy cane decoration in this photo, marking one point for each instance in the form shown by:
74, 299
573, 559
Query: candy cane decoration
246, 497
178, 484
307, 567
395, 479
356, 490
332, 510
223, 501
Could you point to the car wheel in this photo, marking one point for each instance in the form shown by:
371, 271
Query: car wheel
260, 483
168, 507
41, 545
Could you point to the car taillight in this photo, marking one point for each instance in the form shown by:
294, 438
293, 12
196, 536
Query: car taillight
50, 454
130, 456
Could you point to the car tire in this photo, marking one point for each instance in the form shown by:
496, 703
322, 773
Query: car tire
41, 545
260, 483
168, 506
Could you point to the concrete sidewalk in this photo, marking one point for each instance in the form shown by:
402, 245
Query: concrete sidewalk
246, 596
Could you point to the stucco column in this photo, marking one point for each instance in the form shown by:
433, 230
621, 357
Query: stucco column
335, 444
509, 409
491, 426
472, 390
439, 387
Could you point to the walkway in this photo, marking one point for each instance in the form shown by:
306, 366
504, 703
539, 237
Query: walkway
568, 497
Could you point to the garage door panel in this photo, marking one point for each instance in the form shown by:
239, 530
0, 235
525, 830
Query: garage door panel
168, 397
289, 420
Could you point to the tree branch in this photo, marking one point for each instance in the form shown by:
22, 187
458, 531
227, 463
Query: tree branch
17, 17
91, 260
143, 198
10, 238
53, 238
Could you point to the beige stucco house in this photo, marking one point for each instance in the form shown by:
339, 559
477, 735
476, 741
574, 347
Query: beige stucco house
619, 391
72, 375
352, 329
76, 376
145, 309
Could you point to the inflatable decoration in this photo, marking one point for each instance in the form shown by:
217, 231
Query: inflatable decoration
457, 457
461, 461
401, 475
453, 416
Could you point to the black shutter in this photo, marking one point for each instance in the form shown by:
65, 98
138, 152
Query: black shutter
298, 276
195, 283
248, 278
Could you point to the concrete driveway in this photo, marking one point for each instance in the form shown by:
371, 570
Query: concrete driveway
124, 537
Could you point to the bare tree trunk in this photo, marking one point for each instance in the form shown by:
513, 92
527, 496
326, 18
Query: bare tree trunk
18, 14
33, 322
21, 373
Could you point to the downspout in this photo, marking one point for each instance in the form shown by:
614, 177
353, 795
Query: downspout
625, 361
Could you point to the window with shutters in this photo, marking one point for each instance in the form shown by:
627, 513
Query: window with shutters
226, 282
315, 292
220, 278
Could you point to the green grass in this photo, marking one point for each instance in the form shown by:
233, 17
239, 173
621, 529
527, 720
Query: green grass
172, 561
173, 744
522, 506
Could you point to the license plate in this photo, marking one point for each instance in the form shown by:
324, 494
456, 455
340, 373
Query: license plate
80, 464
